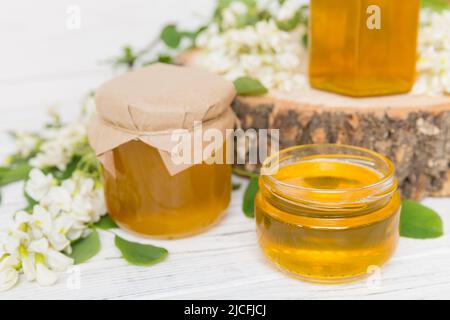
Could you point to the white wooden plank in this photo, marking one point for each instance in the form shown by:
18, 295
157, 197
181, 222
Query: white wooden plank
225, 262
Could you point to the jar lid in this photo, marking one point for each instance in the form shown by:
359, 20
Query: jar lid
150, 103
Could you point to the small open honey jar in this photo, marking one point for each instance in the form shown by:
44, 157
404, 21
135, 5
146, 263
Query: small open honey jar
328, 213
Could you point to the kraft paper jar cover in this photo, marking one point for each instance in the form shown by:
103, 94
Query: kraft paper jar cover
151, 102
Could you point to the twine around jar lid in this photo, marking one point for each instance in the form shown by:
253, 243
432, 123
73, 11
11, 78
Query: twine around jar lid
150, 103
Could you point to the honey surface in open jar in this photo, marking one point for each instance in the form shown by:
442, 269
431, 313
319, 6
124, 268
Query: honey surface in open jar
362, 47
144, 198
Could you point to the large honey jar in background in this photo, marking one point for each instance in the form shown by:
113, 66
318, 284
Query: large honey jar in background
363, 47
145, 190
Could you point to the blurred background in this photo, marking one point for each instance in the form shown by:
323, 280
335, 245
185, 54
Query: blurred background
54, 52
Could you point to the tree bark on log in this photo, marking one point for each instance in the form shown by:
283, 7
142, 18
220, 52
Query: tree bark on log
415, 138
413, 131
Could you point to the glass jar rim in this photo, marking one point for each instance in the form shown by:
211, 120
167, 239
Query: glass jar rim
386, 185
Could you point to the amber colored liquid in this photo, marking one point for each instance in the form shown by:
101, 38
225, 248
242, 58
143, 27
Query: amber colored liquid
307, 244
144, 198
349, 58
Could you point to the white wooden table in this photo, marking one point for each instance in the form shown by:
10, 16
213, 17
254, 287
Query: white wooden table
42, 62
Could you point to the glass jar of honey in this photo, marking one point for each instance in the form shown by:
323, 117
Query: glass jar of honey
363, 48
136, 135
328, 213
143, 197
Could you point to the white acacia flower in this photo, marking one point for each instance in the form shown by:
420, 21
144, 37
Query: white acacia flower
269, 6
86, 186
63, 223
81, 208
8, 260
58, 241
28, 263
21, 220
41, 219
57, 235
44, 276
9, 275
38, 246
21, 217
288, 9
69, 185
232, 13
73, 132
52, 154
58, 261
54, 258
26, 143
13, 240
98, 205
38, 184
57, 199
433, 64
8, 278
75, 232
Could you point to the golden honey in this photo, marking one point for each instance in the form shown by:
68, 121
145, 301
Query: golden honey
329, 213
362, 47
144, 198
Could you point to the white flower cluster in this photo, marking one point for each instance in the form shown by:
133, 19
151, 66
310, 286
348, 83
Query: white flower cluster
284, 11
234, 14
233, 48
261, 51
237, 12
26, 143
35, 242
59, 145
434, 54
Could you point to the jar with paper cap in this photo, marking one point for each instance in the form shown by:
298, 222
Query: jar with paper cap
164, 175
363, 47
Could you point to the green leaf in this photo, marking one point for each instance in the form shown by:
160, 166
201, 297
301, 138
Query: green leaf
140, 254
14, 173
165, 59
305, 40
290, 24
419, 222
436, 5
248, 206
193, 34
170, 36
85, 248
236, 186
30, 202
70, 169
128, 57
106, 223
249, 87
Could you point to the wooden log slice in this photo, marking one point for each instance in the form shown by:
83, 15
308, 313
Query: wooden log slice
413, 131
